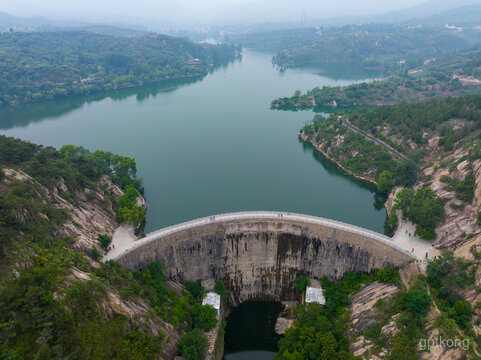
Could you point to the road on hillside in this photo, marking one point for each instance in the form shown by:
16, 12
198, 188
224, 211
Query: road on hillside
397, 154
393, 151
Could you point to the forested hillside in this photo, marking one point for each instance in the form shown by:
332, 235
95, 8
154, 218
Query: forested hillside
450, 74
441, 141
58, 210
372, 42
47, 65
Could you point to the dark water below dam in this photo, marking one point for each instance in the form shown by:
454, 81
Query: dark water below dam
250, 331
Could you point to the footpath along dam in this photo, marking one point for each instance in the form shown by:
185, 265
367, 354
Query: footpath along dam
260, 254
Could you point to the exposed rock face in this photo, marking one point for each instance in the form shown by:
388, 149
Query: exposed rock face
458, 222
282, 324
92, 214
139, 310
363, 311
390, 200
439, 352
260, 259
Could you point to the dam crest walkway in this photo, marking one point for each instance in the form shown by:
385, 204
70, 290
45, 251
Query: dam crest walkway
124, 241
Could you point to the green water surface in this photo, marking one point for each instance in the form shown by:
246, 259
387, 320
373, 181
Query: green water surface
211, 145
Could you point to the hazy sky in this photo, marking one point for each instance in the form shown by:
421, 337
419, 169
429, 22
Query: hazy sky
204, 11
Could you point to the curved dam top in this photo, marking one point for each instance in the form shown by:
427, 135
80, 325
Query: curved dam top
260, 254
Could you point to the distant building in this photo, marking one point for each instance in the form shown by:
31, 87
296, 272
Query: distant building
315, 295
195, 62
213, 300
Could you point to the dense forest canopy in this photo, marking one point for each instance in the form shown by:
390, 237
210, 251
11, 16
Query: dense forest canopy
47, 65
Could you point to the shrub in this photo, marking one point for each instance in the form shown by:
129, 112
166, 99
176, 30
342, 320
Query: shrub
104, 241
94, 254
195, 289
463, 313
193, 345
388, 275
465, 190
392, 221
302, 283
203, 316
446, 325
417, 301
220, 289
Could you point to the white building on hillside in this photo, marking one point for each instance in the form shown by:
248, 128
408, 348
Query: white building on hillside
213, 300
315, 295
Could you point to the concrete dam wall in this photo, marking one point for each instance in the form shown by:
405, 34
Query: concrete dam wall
259, 257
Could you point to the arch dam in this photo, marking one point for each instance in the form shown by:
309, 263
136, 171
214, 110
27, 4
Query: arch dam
260, 254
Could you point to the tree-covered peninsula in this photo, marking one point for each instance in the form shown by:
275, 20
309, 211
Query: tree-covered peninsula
419, 79
43, 66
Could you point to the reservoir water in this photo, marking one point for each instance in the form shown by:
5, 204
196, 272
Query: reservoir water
211, 145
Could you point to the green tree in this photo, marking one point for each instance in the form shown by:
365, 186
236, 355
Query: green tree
417, 301
128, 212
196, 289
403, 201
220, 289
193, 345
104, 240
404, 172
203, 316
385, 182
302, 283
463, 313
426, 210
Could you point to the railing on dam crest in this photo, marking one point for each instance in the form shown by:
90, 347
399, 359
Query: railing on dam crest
260, 215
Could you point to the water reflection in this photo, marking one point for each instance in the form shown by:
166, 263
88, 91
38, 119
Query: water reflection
353, 71
24, 115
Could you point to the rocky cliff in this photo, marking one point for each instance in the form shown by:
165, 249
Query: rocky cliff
86, 213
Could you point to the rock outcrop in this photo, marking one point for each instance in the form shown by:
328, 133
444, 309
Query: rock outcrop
363, 311
91, 214
282, 324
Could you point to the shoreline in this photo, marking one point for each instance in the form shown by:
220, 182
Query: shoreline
106, 92
349, 172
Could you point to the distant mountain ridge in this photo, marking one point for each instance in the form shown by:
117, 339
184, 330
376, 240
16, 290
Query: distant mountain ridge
427, 10
466, 15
